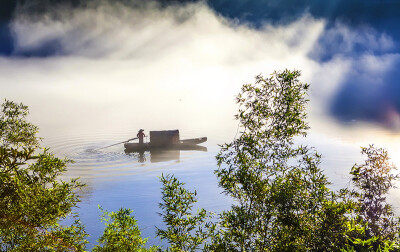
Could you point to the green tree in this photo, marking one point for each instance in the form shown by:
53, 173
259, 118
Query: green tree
282, 202
184, 231
373, 225
121, 233
32, 199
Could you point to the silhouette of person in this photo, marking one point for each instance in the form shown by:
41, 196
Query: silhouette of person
140, 135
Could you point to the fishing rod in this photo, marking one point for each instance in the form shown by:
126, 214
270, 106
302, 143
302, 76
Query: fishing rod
117, 143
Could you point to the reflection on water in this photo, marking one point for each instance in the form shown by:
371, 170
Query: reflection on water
141, 156
156, 155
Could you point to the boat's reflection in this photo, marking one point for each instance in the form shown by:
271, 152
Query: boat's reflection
163, 154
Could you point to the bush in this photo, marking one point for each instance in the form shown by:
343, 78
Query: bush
121, 233
185, 231
32, 199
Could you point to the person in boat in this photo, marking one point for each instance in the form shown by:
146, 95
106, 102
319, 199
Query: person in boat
140, 135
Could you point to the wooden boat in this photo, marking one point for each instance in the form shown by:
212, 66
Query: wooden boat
186, 144
193, 141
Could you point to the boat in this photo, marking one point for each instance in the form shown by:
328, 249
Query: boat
190, 145
193, 141
167, 139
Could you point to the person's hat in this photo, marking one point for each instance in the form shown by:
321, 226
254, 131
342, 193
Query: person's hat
141, 130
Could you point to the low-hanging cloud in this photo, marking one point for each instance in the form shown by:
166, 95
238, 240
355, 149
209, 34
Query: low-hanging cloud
111, 56
118, 30
370, 92
190, 48
340, 40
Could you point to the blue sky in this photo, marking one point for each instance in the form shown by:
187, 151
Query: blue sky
360, 39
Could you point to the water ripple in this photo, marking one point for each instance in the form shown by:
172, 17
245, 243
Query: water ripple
92, 160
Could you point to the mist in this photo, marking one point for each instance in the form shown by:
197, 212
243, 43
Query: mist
106, 64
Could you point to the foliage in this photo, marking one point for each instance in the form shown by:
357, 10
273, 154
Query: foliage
32, 199
185, 231
373, 225
283, 202
121, 233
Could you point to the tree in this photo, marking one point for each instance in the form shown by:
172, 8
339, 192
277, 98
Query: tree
374, 226
121, 233
185, 231
32, 199
282, 202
